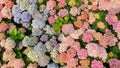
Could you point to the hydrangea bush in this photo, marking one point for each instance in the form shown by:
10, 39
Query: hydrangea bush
59, 33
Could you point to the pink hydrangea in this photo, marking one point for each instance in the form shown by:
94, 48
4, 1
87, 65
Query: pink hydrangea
93, 49
17, 63
91, 18
71, 53
6, 12
3, 1
3, 27
63, 12
87, 37
116, 26
72, 62
63, 57
111, 19
62, 3
74, 11
51, 19
97, 64
63, 47
51, 4
82, 54
77, 33
52, 12
1, 6
76, 45
114, 63
68, 40
67, 28
103, 5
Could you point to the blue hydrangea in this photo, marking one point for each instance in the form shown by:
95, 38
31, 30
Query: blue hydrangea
33, 1
52, 65
16, 10
39, 49
25, 16
17, 18
32, 9
37, 23
36, 32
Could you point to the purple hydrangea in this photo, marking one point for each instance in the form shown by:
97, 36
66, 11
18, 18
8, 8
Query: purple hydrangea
44, 37
17, 18
16, 10
26, 24
25, 16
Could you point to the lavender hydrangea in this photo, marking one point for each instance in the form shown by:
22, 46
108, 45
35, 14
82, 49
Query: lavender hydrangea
25, 16
39, 49
37, 23
44, 37
43, 60
33, 1
49, 46
32, 9
36, 32
16, 10
26, 24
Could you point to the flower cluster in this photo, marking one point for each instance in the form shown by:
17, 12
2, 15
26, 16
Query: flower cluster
59, 33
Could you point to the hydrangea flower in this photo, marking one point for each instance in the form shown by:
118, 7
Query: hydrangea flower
9, 55
51, 20
32, 9
82, 53
87, 37
36, 23
49, 46
36, 32
26, 41
43, 60
9, 44
32, 65
52, 65
39, 49
3, 27
33, 1
97, 64
25, 16
114, 63
74, 11
67, 28
50, 4
63, 12
32, 56
44, 38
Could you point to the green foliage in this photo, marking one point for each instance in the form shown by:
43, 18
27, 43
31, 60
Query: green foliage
16, 35
102, 15
18, 52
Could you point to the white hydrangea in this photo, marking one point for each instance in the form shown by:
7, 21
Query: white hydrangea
42, 8
49, 30
49, 46
24, 4
39, 49
32, 56
43, 60
37, 23
61, 36
52, 65
9, 44
26, 41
